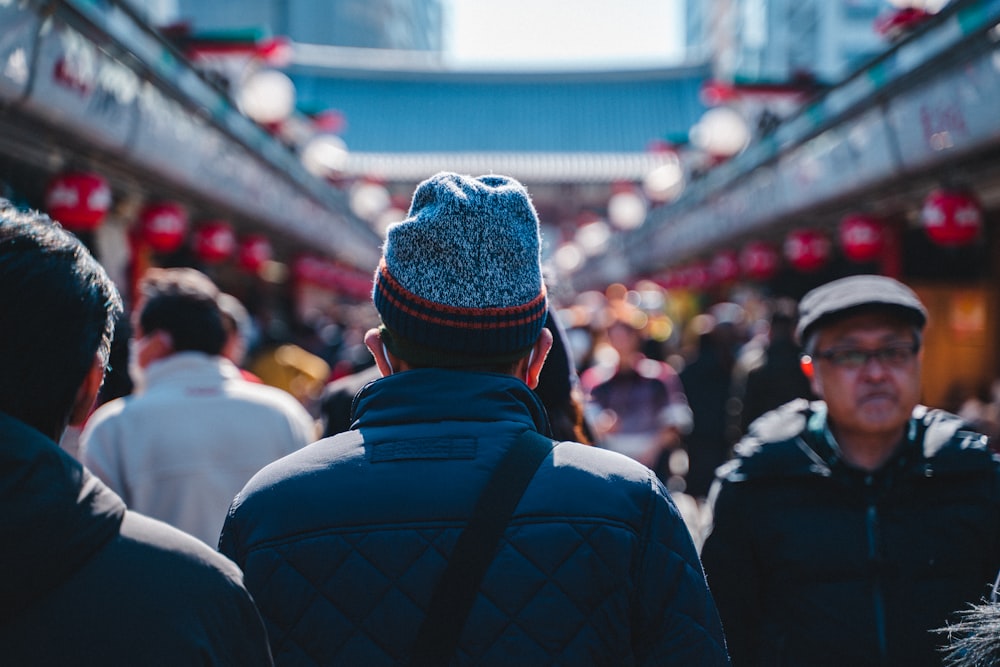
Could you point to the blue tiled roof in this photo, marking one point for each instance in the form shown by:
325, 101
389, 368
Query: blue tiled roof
598, 112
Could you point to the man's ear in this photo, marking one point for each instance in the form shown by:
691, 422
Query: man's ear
536, 358
373, 341
86, 395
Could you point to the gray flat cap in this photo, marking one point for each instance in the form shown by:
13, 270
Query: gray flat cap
847, 295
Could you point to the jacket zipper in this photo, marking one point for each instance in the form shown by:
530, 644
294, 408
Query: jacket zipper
878, 598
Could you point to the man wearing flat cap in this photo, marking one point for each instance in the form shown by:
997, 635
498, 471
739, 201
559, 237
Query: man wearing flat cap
847, 529
446, 528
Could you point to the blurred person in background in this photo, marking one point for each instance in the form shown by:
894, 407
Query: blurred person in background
706, 379
239, 331
638, 404
181, 446
84, 580
845, 530
776, 378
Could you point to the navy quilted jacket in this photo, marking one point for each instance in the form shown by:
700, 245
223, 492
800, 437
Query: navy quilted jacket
343, 542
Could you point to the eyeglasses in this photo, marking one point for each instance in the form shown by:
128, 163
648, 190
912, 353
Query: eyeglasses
894, 356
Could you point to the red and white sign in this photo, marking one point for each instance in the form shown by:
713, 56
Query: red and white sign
214, 241
163, 226
759, 261
951, 217
862, 238
807, 249
254, 251
725, 266
79, 201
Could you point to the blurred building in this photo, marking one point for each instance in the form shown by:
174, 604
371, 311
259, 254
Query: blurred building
782, 41
414, 25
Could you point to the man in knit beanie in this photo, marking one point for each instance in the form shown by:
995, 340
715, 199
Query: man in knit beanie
386, 544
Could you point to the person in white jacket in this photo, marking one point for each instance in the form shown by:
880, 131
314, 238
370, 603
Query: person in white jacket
182, 446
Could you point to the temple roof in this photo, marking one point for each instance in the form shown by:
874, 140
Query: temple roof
539, 125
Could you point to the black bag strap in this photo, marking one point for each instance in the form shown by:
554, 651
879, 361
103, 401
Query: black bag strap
475, 550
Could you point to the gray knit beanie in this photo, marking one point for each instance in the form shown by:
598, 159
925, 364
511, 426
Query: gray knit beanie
462, 273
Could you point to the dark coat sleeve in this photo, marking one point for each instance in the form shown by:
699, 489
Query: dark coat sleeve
677, 619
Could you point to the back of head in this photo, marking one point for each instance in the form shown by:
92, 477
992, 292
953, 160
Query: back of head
235, 316
183, 303
58, 307
784, 315
236, 321
460, 281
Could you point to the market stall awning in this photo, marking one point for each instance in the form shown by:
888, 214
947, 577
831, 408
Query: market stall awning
922, 112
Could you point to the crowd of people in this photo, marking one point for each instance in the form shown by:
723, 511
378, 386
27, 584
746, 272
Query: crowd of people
501, 484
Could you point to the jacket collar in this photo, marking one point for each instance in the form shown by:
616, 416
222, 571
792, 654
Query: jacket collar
438, 394
190, 367
56, 515
796, 440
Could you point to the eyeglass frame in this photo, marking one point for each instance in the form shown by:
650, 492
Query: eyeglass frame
881, 355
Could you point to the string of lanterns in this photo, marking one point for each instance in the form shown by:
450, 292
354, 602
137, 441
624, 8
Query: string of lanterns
80, 202
950, 218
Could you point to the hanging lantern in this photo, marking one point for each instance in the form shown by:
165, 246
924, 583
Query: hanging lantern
308, 269
254, 251
163, 226
951, 217
862, 238
725, 267
759, 261
698, 276
807, 249
626, 206
78, 200
214, 241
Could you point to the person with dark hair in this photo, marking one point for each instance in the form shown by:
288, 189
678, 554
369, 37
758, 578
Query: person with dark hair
237, 324
640, 406
194, 432
847, 529
559, 389
707, 380
446, 527
84, 580
778, 377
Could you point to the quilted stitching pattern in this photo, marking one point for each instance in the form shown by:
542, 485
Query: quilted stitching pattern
553, 591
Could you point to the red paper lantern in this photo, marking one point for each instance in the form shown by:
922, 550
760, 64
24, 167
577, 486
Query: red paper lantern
214, 241
807, 249
308, 269
79, 201
163, 226
862, 238
951, 217
254, 251
759, 261
697, 276
725, 266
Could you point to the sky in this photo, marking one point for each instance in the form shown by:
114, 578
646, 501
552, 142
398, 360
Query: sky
563, 34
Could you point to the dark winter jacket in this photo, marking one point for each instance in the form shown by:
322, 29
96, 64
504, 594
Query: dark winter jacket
83, 581
814, 562
343, 542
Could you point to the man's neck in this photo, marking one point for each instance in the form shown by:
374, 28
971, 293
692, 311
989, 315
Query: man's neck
867, 452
